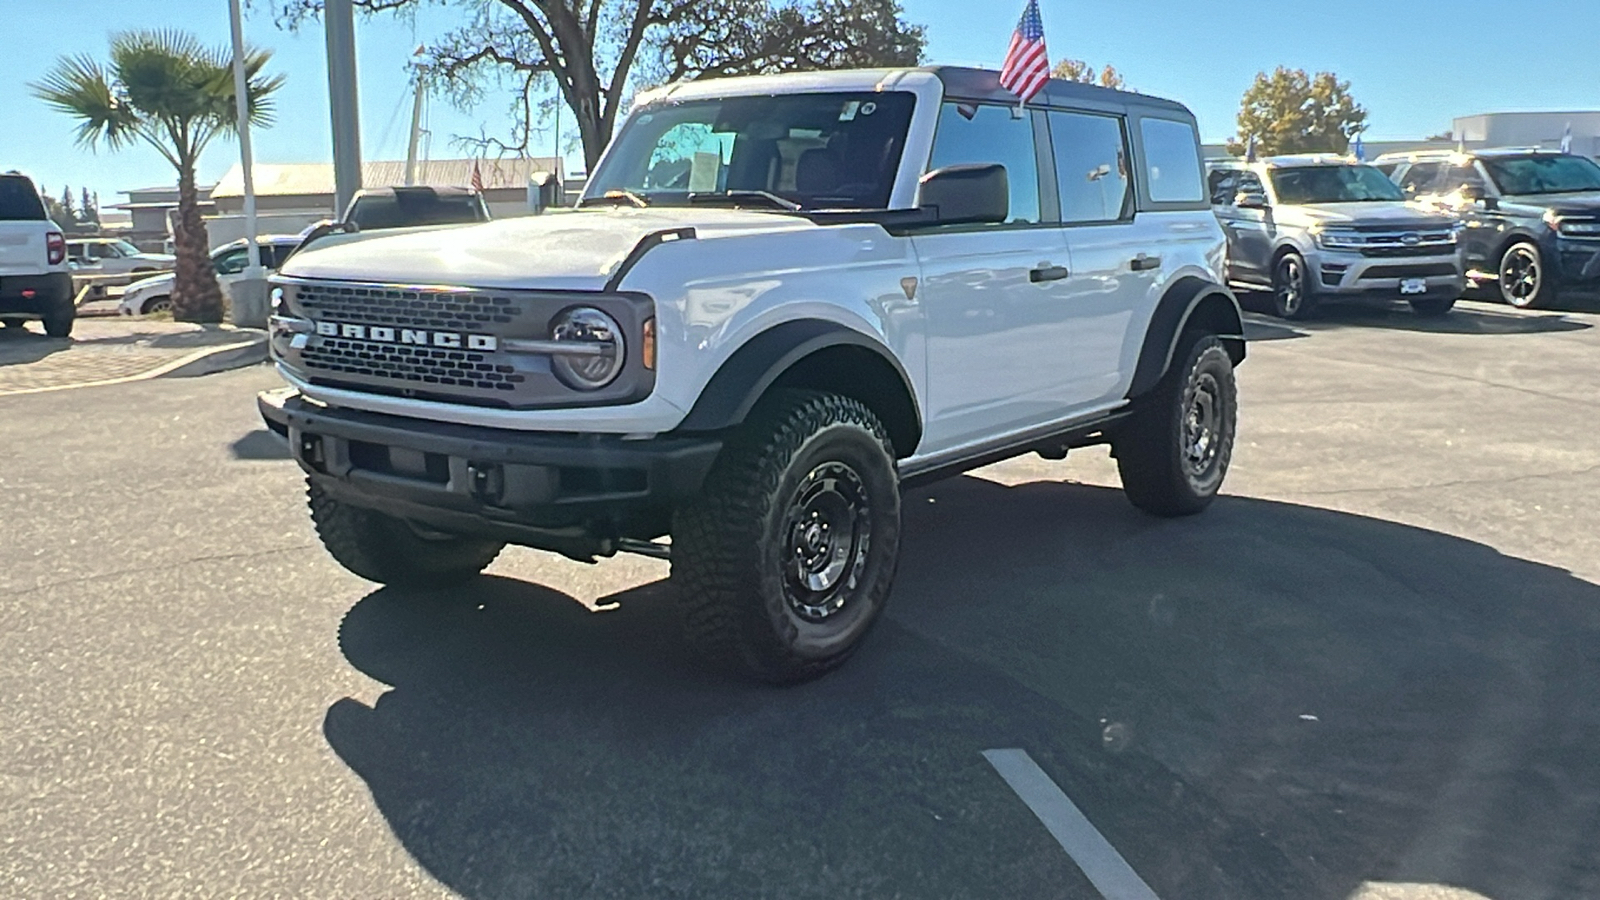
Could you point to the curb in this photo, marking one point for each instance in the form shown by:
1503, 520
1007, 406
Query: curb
206, 361
212, 360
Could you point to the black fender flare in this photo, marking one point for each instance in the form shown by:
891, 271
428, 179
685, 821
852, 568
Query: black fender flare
1172, 317
756, 366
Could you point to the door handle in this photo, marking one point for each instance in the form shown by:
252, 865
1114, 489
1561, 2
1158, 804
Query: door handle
1047, 273
1142, 262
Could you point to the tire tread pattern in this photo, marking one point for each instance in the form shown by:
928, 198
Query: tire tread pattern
383, 549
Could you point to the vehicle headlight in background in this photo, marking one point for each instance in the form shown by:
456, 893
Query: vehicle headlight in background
588, 352
1337, 238
275, 302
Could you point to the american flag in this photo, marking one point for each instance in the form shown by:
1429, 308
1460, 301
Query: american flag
1027, 65
477, 178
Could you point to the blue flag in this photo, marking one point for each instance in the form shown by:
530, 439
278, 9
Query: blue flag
1360, 149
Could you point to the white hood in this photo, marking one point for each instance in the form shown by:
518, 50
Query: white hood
565, 250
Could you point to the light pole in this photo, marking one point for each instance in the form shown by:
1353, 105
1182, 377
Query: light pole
339, 19
248, 297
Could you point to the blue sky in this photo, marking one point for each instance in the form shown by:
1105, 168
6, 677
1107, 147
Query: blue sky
1414, 65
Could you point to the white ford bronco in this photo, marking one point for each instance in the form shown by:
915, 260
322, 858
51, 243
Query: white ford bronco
781, 301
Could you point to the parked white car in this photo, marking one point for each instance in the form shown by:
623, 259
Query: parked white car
153, 295
115, 256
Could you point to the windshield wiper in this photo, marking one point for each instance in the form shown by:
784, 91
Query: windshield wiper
617, 198
734, 197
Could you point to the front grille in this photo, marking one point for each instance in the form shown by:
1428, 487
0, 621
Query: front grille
453, 310
419, 365
1401, 252
1425, 270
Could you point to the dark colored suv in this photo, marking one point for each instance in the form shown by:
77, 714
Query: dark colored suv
1532, 216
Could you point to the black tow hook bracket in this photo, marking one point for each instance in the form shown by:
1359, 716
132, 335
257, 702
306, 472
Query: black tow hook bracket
487, 481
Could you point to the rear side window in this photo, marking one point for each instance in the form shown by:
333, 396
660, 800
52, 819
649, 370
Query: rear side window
18, 200
1091, 167
1419, 177
972, 134
1171, 161
1224, 184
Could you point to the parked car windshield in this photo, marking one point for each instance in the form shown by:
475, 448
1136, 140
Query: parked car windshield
1332, 184
820, 151
405, 209
18, 200
1544, 174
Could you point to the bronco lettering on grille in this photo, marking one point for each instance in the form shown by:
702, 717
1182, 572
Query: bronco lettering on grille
450, 340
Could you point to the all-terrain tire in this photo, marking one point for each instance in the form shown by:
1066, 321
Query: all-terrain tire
58, 320
1173, 451
388, 550
783, 563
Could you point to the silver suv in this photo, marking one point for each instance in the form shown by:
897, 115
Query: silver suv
1316, 228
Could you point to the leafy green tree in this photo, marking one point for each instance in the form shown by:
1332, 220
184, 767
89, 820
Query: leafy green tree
89, 210
598, 52
1290, 111
1079, 70
167, 90
52, 208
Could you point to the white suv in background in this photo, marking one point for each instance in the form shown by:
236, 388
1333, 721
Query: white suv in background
154, 295
781, 299
35, 281
116, 256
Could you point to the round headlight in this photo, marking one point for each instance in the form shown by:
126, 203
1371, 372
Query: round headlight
593, 355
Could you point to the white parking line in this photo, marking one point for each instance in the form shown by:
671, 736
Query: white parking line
1101, 863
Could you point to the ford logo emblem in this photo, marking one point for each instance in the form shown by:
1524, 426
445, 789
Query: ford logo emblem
1411, 240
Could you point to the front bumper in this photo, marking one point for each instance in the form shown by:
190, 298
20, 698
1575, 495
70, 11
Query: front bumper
34, 295
576, 494
1577, 263
1335, 273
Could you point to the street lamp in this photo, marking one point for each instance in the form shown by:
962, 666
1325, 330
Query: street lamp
248, 296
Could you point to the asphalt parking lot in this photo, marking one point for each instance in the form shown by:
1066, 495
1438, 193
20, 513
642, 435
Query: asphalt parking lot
1369, 672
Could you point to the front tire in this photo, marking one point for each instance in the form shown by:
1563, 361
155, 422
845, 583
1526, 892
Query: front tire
783, 564
1524, 283
1173, 452
161, 304
1291, 288
388, 550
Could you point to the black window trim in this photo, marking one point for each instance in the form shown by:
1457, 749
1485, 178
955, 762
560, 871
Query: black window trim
1048, 199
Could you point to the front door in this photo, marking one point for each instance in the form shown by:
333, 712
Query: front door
1250, 234
995, 295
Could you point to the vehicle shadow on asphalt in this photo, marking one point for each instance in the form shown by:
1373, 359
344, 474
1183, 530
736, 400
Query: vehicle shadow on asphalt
260, 444
20, 346
1485, 319
1266, 701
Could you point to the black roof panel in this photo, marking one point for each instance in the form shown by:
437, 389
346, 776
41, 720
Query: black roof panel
983, 85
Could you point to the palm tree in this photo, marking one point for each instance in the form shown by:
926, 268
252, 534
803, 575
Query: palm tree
164, 88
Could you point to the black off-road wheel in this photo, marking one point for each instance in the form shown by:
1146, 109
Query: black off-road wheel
1173, 452
784, 562
388, 550
1291, 288
1433, 307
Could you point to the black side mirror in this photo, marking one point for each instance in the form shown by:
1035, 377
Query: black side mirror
967, 194
1250, 200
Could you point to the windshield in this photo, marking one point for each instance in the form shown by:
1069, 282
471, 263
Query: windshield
819, 151
404, 209
1332, 184
1544, 174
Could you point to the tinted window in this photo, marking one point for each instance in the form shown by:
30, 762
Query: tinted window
272, 255
1224, 185
1453, 178
1420, 177
970, 134
833, 150
1171, 161
1250, 183
1544, 174
1091, 167
405, 209
18, 199
232, 262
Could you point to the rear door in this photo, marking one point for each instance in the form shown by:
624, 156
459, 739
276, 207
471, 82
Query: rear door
22, 228
1115, 261
995, 295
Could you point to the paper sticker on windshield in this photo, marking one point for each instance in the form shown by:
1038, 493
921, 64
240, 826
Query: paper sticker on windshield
703, 171
848, 114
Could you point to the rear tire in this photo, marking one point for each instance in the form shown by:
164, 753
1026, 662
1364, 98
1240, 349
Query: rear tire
783, 563
1173, 452
159, 304
389, 550
1433, 307
58, 320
